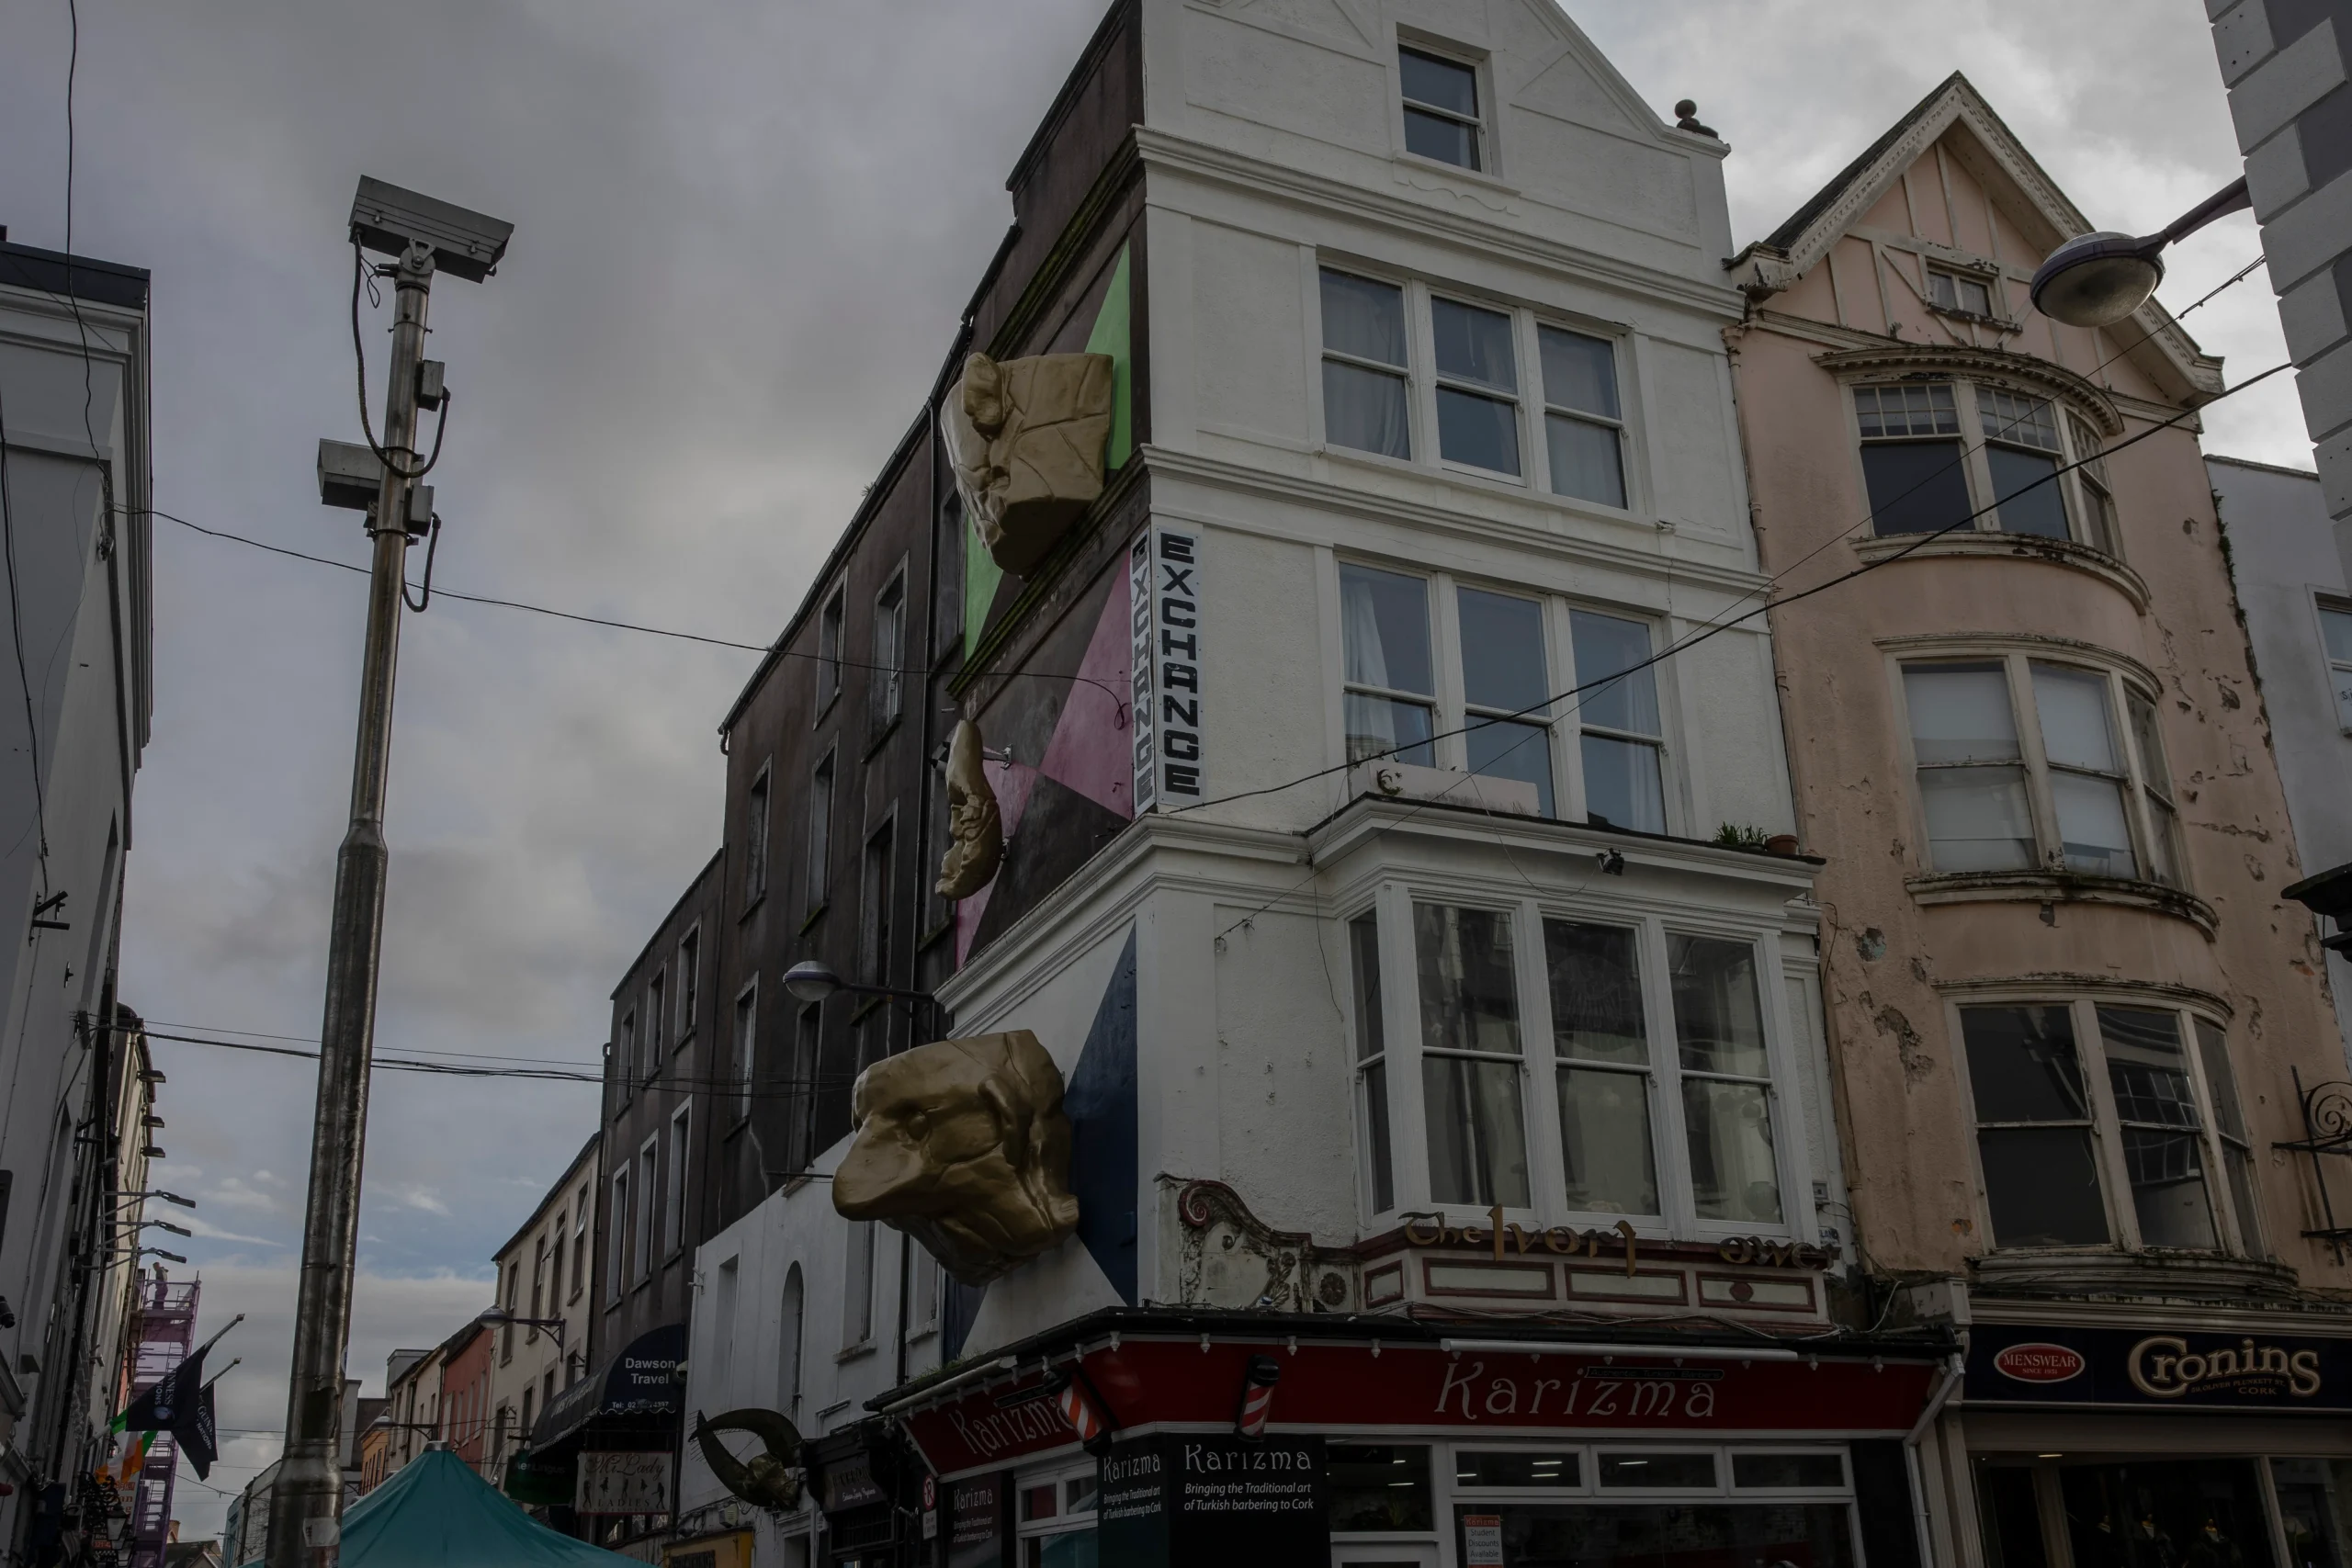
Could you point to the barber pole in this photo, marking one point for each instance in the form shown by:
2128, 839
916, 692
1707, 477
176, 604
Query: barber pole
1258, 1381
1085, 1417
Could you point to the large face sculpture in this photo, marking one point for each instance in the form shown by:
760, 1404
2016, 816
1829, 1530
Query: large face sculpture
1025, 438
974, 824
963, 1145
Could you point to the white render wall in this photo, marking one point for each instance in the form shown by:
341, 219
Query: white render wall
2285, 555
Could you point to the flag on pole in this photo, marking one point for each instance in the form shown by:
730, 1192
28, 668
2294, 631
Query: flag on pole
179, 1402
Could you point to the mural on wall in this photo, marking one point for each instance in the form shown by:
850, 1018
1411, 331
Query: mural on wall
964, 1145
1104, 1151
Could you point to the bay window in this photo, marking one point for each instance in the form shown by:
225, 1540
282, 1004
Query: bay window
2104, 1123
1508, 394
1940, 453
2021, 764
1468, 690
2335, 631
1650, 1051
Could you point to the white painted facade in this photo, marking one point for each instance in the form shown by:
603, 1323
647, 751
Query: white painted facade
2292, 567
1273, 148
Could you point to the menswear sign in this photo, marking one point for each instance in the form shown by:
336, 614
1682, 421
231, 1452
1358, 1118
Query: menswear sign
2157, 1369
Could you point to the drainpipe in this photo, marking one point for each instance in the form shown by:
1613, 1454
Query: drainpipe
1911, 1456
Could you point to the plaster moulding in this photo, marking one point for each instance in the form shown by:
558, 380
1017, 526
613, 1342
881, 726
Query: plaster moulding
2061, 888
2024, 372
1984, 544
1227, 1257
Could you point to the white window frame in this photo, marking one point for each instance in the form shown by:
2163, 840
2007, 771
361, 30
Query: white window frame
2145, 822
1532, 399
1064, 1521
674, 1205
2105, 1123
1485, 142
642, 1239
861, 1259
1452, 711
2084, 520
2339, 671
1408, 1135
1991, 283
888, 678
689, 999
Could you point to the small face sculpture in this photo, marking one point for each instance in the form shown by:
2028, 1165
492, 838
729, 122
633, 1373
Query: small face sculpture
963, 1145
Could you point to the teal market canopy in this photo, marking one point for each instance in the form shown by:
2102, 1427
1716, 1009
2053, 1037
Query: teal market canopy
436, 1513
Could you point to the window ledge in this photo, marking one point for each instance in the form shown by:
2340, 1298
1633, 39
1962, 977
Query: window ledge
2022, 546
855, 1352
809, 921
1411, 163
2109, 1270
751, 906
880, 737
2061, 888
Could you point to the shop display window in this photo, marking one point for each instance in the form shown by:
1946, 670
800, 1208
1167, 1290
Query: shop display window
1379, 1487
2169, 1513
1686, 1535
1056, 1519
2315, 1509
1477, 1467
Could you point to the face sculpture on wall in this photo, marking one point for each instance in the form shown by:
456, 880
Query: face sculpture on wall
1025, 438
975, 831
963, 1145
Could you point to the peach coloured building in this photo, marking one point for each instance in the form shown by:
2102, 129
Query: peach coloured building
2067, 1010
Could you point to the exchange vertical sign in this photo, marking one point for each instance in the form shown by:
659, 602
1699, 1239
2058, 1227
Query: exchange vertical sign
1164, 593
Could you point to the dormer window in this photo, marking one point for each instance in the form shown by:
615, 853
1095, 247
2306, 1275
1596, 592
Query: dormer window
1960, 293
1441, 118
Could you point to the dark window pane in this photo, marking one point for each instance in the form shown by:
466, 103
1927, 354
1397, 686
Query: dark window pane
1912, 409
1366, 409
1733, 1174
1717, 1015
1381, 728
1469, 996
2159, 1513
2022, 1065
1622, 788
1364, 317
2025, 484
2168, 1193
1608, 646
2148, 1067
1665, 1535
2315, 1506
1501, 750
1385, 621
1588, 460
1444, 84
1788, 1469
1378, 1487
1579, 372
1502, 652
1596, 992
1657, 1470
2042, 1187
1480, 431
1474, 1468
1447, 140
1363, 950
1376, 1141
2011, 1517
1916, 487
1473, 345
1611, 1166
1477, 1140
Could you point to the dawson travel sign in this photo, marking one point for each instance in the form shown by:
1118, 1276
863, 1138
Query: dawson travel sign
2153, 1368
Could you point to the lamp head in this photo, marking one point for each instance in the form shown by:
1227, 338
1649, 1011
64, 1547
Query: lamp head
2095, 280
810, 981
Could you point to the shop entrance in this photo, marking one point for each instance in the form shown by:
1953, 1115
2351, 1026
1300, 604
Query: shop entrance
2059, 1511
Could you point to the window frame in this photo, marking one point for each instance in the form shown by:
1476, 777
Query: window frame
2106, 1123
674, 1197
655, 1009
1990, 282
887, 681
1541, 1062
1975, 441
1530, 398
1450, 708
858, 1317
689, 999
1483, 126
832, 632
2338, 671
616, 1281
644, 1240
759, 836
824, 777
2121, 684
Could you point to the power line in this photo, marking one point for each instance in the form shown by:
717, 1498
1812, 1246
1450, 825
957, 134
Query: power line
1711, 629
777, 1087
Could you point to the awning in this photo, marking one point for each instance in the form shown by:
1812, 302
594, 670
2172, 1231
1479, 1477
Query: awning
643, 1382
436, 1513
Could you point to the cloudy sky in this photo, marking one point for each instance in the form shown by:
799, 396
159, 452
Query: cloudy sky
743, 236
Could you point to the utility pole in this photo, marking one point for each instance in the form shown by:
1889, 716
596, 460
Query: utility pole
305, 1502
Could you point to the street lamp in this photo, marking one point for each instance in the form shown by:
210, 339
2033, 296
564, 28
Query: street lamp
499, 1315
810, 981
2095, 280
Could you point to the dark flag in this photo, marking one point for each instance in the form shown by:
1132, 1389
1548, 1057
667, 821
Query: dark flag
180, 1403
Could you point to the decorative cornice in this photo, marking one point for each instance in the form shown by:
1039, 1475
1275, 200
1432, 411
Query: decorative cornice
1979, 642
1978, 363
2061, 888
2051, 983
1988, 544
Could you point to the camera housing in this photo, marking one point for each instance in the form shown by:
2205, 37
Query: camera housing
388, 220
351, 477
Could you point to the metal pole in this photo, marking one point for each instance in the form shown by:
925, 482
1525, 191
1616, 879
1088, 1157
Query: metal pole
308, 1495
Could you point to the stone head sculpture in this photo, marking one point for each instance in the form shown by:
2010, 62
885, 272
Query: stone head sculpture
975, 831
1025, 438
963, 1145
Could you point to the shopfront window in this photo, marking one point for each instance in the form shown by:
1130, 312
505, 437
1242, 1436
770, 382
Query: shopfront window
2315, 1509
1379, 1488
2165, 1513
1055, 1519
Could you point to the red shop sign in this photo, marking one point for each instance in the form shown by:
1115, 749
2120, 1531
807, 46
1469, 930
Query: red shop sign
2040, 1362
1641, 1390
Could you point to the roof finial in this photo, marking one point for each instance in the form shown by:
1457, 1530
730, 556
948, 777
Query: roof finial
1685, 117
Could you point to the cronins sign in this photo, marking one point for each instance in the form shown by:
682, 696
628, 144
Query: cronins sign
2157, 1369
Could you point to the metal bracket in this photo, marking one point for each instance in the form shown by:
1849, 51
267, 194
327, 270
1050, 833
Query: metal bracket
2327, 1129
